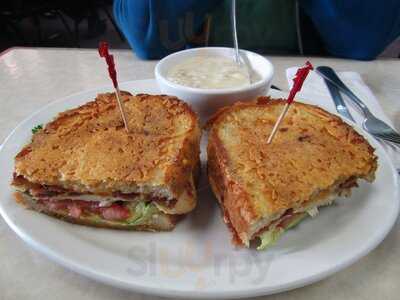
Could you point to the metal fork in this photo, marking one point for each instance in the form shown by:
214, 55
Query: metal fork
371, 124
238, 58
234, 33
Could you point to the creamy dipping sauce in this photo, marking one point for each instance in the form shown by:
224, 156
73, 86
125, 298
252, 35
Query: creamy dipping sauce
209, 72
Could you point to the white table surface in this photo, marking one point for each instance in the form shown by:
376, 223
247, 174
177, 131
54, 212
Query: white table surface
32, 77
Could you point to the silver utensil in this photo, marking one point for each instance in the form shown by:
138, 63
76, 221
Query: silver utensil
343, 111
371, 124
234, 33
340, 105
238, 58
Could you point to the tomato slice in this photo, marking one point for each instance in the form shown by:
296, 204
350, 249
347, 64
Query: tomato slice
115, 212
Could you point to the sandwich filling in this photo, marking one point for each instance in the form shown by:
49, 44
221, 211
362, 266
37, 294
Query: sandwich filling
269, 236
291, 217
126, 212
131, 209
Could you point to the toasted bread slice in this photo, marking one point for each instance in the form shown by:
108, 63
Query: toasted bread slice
314, 157
86, 152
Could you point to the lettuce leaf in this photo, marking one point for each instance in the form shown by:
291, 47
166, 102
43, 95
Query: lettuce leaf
269, 237
141, 213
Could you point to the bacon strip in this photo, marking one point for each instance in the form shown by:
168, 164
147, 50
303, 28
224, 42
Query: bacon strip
282, 222
75, 208
46, 191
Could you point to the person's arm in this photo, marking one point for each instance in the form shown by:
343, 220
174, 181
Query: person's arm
359, 29
155, 28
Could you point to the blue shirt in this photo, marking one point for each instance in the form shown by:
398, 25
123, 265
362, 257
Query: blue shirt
155, 28
359, 29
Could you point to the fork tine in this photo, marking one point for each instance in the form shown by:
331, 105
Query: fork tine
394, 135
389, 138
381, 139
394, 146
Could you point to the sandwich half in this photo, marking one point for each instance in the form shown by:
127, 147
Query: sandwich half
85, 168
264, 189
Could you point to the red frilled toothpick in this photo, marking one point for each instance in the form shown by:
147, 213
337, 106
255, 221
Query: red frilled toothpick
103, 51
298, 81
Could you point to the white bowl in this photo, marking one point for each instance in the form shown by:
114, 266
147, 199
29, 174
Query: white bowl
206, 101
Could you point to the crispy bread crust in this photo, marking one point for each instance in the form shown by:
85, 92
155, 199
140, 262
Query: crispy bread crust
168, 224
230, 195
313, 152
87, 149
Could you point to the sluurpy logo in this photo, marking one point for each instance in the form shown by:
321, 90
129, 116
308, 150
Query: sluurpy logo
203, 267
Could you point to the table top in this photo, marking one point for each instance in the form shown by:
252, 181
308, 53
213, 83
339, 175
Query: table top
33, 77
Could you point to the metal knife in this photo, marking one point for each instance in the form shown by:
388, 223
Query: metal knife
340, 105
335, 84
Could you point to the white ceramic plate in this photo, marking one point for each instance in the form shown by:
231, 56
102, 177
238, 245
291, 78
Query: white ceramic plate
197, 258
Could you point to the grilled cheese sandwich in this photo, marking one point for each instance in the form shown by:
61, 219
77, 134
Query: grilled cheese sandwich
85, 168
263, 189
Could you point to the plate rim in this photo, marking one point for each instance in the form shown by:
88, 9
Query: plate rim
199, 294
